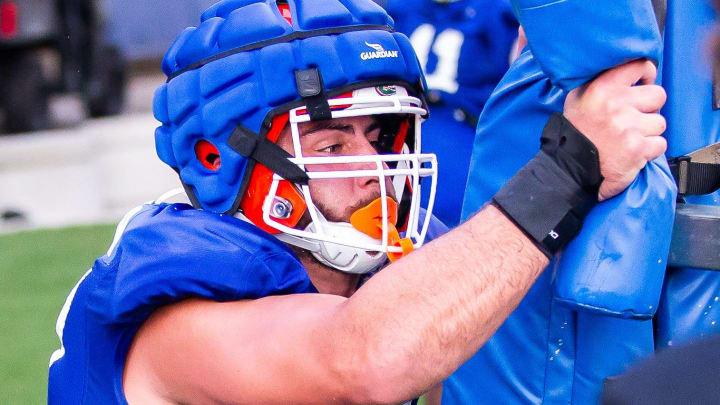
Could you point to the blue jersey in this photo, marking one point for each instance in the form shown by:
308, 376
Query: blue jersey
162, 253
464, 48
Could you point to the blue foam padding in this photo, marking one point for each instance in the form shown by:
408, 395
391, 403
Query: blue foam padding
690, 303
602, 35
243, 88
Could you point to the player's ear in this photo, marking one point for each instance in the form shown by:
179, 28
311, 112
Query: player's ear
284, 8
522, 39
519, 44
208, 155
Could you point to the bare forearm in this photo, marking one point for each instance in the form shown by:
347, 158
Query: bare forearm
420, 318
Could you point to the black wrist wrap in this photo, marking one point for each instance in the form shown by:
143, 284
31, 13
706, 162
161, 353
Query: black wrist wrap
550, 197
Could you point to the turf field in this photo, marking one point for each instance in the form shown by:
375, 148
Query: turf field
37, 271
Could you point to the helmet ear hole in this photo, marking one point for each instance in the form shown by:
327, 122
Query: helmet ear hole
284, 8
208, 155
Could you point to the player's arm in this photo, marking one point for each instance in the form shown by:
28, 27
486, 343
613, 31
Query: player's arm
407, 329
412, 324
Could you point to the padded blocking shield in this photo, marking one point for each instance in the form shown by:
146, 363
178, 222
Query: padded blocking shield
616, 264
603, 34
690, 303
228, 71
543, 353
546, 352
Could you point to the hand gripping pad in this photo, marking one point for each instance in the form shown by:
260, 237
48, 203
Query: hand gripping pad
616, 264
545, 352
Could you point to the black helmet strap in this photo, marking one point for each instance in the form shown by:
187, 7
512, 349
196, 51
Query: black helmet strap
252, 146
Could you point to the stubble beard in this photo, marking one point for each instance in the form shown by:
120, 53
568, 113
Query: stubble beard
306, 257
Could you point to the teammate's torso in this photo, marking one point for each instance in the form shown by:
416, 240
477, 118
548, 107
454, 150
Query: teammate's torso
464, 47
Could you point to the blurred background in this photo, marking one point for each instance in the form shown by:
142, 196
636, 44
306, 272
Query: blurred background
76, 125
77, 78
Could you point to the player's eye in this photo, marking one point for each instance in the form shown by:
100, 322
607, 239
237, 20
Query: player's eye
334, 148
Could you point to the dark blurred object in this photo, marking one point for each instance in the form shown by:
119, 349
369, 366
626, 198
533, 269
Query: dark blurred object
12, 215
716, 38
74, 31
677, 376
143, 30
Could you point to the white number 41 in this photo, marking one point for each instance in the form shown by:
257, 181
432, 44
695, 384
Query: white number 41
447, 49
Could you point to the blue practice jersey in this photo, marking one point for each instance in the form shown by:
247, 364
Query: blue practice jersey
464, 48
162, 254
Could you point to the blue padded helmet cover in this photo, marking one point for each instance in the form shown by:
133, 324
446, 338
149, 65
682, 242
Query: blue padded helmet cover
237, 67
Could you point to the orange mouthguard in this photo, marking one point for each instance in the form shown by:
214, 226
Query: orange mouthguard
368, 220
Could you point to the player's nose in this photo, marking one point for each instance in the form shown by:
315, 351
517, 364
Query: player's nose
364, 147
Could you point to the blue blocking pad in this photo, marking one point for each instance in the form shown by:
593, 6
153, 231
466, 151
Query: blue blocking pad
616, 265
607, 274
625, 241
545, 352
690, 303
599, 271
605, 347
466, 53
573, 40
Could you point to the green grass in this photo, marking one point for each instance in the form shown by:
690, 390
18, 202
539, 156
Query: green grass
37, 271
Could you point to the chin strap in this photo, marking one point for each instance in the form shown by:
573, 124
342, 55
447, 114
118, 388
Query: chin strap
347, 259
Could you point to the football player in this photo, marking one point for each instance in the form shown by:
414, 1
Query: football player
294, 127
